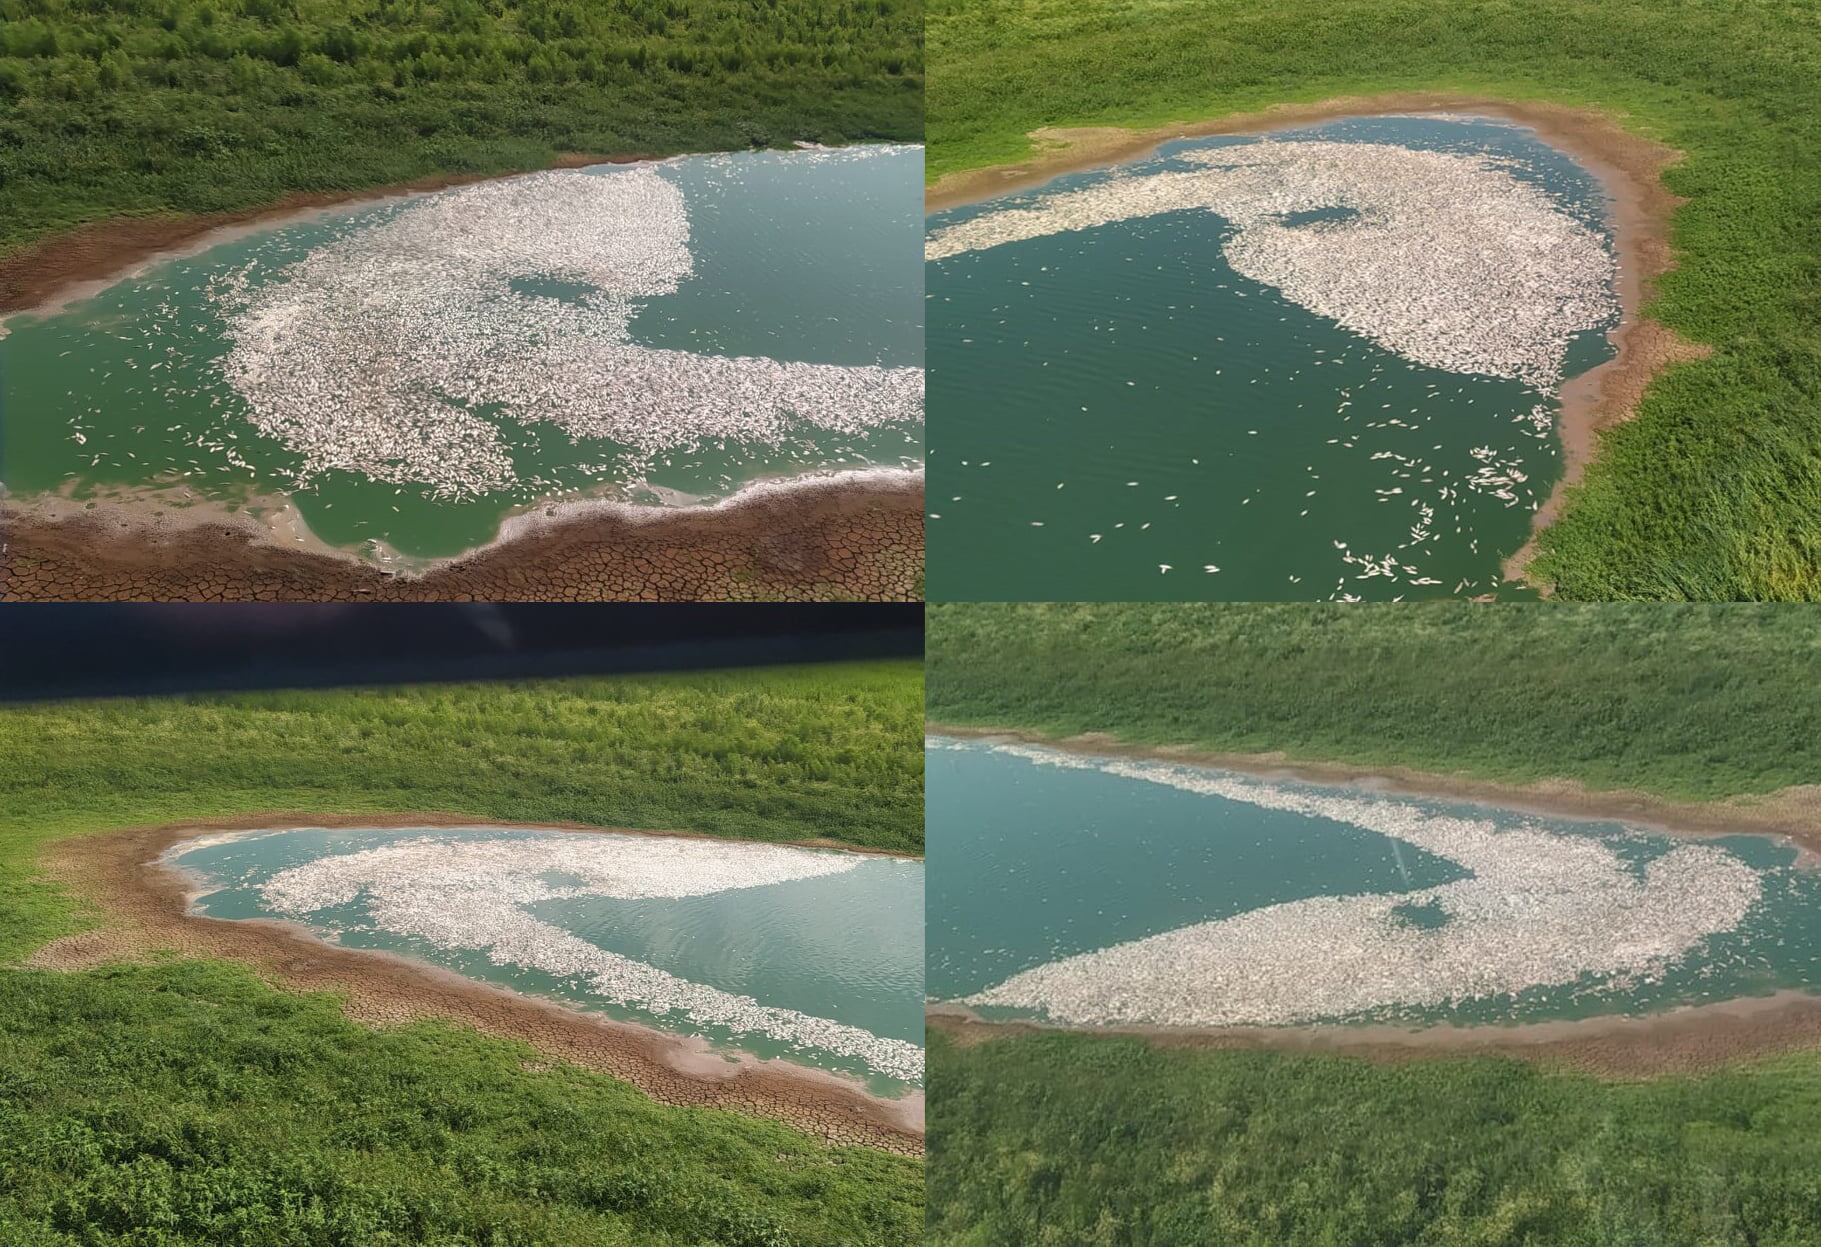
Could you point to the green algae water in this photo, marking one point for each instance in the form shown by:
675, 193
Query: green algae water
406, 374
1124, 416
811, 955
1098, 891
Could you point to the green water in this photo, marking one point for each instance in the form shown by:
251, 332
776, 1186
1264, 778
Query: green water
846, 947
1033, 863
1113, 400
794, 258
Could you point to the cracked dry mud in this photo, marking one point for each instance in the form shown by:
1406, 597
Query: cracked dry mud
144, 910
838, 543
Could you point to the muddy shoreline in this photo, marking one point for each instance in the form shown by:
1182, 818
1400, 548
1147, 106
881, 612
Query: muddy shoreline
1691, 1040
144, 907
1628, 166
1792, 813
815, 541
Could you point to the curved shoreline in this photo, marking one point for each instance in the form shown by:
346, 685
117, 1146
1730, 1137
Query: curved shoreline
1628, 166
813, 538
145, 905
1791, 813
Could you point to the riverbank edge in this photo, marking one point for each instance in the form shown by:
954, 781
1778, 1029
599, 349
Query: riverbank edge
1684, 1042
1627, 165
143, 905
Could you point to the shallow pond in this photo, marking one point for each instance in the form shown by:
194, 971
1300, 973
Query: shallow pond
408, 372
813, 955
1319, 364
1100, 891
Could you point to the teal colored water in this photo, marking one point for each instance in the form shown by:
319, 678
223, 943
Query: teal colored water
844, 947
1115, 400
1033, 863
123, 395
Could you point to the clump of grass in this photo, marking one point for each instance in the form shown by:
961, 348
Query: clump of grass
1714, 491
1075, 1139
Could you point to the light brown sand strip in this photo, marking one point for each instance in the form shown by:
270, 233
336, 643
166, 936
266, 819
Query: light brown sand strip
144, 909
1690, 1040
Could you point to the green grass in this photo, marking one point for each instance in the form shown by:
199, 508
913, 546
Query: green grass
1689, 702
187, 1105
1714, 491
1079, 1140
184, 1104
148, 106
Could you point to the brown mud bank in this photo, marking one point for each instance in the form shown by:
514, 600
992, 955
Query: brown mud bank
1690, 1040
143, 906
1792, 813
817, 541
1629, 166
52, 268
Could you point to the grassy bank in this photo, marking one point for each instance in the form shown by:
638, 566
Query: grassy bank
1714, 491
1070, 1139
205, 105
187, 1104
1686, 702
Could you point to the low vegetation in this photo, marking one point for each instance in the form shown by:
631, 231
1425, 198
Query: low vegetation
1714, 491
1091, 1140
1688, 702
149, 106
186, 1104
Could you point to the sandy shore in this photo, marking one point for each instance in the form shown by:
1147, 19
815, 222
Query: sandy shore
145, 908
1681, 1040
1630, 168
840, 538
1793, 813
